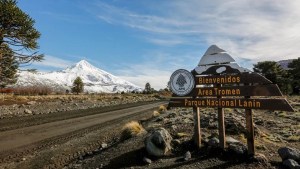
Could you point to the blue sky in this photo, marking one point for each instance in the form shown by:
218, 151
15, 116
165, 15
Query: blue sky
146, 40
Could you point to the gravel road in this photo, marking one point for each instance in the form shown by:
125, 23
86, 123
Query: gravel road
16, 143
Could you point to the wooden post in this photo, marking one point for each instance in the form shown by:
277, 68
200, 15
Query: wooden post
250, 129
197, 129
221, 124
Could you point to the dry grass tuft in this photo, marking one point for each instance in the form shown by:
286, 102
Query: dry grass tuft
132, 129
293, 138
155, 113
162, 109
242, 138
180, 135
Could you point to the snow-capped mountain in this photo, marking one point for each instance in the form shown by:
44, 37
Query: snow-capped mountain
95, 80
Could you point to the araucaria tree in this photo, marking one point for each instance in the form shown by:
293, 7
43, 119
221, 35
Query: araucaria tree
17, 31
77, 85
18, 40
8, 66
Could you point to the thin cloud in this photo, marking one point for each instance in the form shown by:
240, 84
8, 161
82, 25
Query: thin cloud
256, 30
53, 62
156, 70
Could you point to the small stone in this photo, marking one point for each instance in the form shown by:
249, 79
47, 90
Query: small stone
147, 160
289, 153
230, 140
31, 103
27, 111
238, 148
96, 150
290, 163
214, 142
187, 156
104, 145
24, 159
176, 142
260, 158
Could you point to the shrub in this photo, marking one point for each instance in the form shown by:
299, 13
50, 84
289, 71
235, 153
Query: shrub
132, 129
155, 113
162, 109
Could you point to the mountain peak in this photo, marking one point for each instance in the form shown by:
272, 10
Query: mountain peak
83, 64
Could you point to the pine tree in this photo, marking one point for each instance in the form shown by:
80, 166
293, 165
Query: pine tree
294, 73
8, 68
270, 69
77, 86
147, 88
17, 33
275, 73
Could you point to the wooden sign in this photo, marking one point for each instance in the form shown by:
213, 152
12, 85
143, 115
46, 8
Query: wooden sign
270, 104
221, 83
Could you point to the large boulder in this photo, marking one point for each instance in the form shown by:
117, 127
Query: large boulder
290, 163
158, 142
237, 148
289, 153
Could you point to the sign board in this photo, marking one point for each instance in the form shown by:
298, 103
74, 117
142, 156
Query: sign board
219, 82
262, 90
232, 79
242, 103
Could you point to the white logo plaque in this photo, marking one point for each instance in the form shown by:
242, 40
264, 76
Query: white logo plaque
182, 82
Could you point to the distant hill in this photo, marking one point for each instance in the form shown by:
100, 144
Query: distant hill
95, 80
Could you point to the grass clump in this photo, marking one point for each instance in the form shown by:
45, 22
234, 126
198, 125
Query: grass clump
132, 129
293, 138
282, 114
162, 109
155, 113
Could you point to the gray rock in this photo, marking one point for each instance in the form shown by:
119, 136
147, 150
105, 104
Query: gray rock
260, 158
290, 163
238, 148
31, 103
158, 143
230, 140
147, 160
176, 142
104, 145
214, 142
289, 153
27, 111
187, 156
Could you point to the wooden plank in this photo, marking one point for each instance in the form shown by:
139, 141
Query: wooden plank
249, 128
221, 124
232, 79
262, 90
259, 103
197, 129
250, 132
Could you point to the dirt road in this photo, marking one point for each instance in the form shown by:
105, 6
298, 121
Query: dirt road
15, 141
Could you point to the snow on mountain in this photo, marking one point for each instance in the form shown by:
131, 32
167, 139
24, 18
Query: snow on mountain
95, 80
